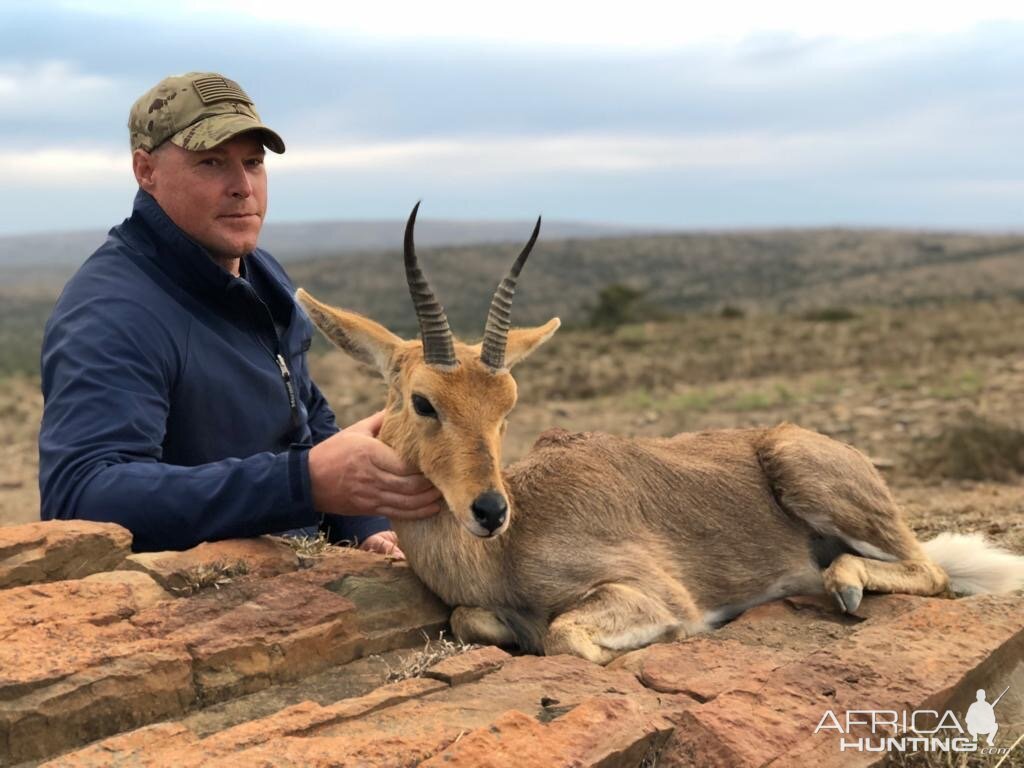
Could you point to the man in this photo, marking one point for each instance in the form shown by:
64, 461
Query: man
178, 402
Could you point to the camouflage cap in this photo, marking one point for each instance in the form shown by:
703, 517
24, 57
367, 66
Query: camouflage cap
196, 111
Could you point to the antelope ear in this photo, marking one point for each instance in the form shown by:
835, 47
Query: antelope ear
522, 341
364, 339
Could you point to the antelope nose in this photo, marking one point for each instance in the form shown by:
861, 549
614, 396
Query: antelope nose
489, 509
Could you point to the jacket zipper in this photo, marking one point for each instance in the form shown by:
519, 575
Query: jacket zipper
282, 365
287, 376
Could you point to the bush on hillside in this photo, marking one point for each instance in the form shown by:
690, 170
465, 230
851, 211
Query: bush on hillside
620, 304
974, 448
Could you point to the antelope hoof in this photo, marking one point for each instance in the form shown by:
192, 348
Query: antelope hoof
848, 598
471, 624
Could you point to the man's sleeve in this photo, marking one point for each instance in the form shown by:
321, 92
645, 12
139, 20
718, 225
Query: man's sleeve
321, 418
355, 528
108, 368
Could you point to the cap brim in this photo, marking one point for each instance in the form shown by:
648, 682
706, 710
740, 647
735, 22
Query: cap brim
216, 129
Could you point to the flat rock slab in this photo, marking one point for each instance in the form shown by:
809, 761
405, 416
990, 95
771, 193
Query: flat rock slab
334, 684
740, 696
601, 731
746, 651
70, 656
54, 550
186, 572
469, 666
526, 711
115, 651
248, 635
914, 653
84, 658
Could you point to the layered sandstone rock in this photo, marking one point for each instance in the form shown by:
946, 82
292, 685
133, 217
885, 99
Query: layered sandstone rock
240, 653
55, 550
81, 659
519, 711
189, 571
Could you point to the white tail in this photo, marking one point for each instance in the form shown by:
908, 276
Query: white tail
974, 565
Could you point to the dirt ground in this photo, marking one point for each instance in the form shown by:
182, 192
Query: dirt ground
890, 382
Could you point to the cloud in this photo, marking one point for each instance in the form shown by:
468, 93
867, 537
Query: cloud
974, 189
523, 155
50, 87
646, 25
792, 112
57, 100
513, 155
324, 85
57, 167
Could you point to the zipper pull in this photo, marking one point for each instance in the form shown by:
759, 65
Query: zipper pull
287, 377
285, 373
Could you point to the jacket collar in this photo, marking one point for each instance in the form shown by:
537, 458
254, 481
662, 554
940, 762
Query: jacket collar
176, 254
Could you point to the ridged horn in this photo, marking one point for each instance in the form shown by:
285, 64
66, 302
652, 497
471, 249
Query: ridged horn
499, 317
438, 346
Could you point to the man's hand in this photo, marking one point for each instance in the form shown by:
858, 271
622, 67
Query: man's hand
353, 473
386, 543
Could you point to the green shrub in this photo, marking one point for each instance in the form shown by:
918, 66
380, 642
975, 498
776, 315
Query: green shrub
619, 304
615, 306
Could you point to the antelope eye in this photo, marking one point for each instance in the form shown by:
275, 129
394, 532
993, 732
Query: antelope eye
422, 406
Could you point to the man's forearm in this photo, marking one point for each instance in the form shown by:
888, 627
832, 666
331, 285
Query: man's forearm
174, 507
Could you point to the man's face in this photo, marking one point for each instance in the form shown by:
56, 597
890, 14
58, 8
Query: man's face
217, 196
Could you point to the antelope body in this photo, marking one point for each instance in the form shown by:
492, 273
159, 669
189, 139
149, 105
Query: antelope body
595, 544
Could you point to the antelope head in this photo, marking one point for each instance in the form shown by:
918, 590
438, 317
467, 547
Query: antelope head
447, 402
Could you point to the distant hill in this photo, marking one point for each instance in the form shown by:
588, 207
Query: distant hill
773, 271
793, 272
292, 241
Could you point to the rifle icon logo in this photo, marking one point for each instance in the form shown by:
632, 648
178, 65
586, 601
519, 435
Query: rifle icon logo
981, 717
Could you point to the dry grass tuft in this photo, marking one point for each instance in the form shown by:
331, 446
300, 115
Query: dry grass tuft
433, 652
652, 756
309, 546
1015, 759
216, 575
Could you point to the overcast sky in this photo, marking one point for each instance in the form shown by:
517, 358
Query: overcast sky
670, 113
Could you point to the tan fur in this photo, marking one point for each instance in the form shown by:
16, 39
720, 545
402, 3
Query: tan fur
614, 543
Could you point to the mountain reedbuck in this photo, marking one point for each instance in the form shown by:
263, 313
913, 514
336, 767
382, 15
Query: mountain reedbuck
594, 544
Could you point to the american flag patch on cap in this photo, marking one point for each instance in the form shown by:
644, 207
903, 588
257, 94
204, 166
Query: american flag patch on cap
212, 89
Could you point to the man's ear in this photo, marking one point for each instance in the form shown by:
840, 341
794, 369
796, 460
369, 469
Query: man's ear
364, 339
143, 164
522, 341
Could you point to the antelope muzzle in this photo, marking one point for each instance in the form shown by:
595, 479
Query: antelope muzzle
490, 511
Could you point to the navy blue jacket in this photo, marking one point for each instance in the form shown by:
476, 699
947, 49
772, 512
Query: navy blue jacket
166, 407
